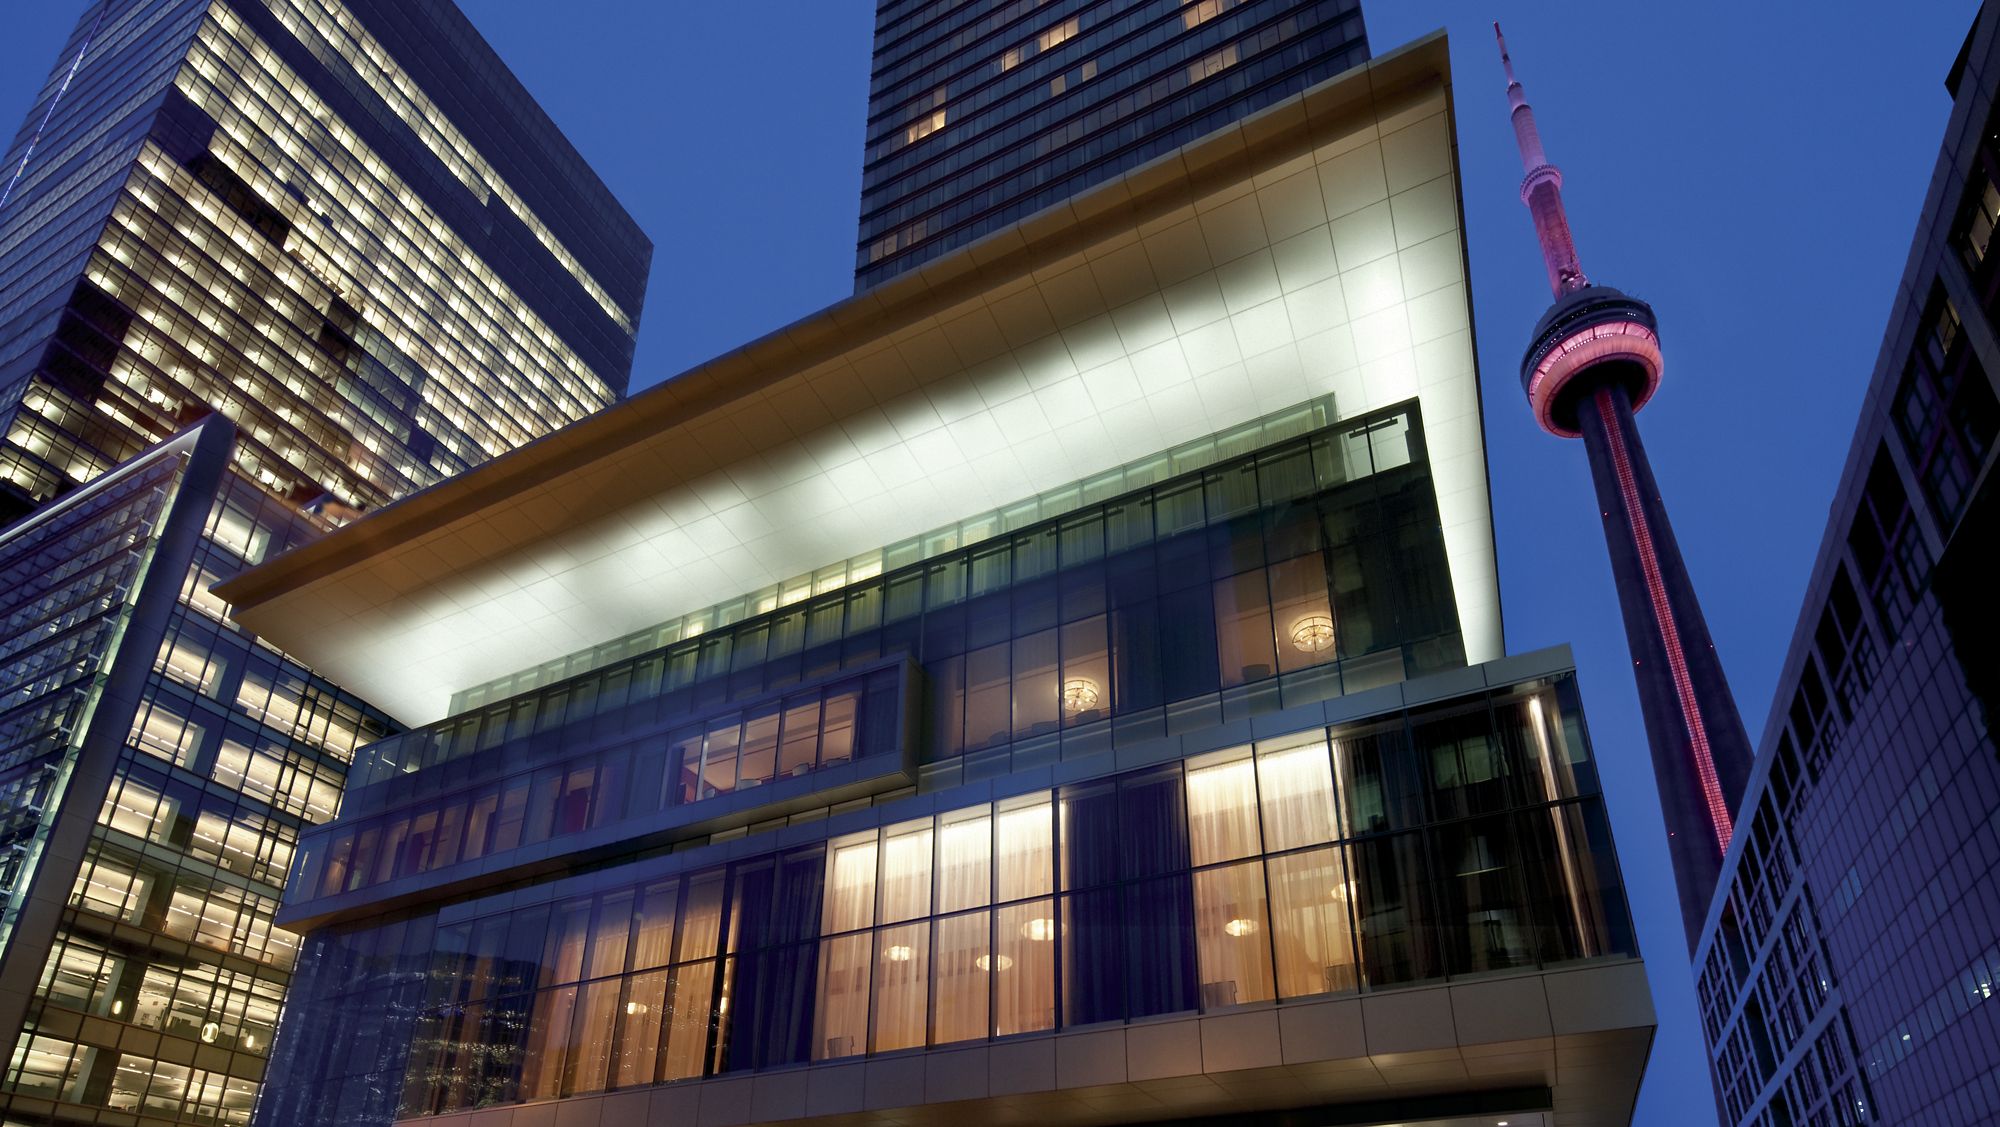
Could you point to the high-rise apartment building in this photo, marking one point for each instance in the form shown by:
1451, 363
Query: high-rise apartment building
348, 230
983, 113
341, 223
1848, 964
1071, 688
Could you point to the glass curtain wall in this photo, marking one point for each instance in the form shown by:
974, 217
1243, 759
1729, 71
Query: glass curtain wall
1456, 841
1308, 569
231, 752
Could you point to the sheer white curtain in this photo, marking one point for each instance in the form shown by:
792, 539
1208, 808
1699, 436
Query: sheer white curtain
1026, 850
1024, 967
958, 1011
1230, 931
1310, 905
1222, 809
1297, 790
964, 860
653, 944
840, 1021
687, 1032
639, 1032
906, 871
902, 978
850, 884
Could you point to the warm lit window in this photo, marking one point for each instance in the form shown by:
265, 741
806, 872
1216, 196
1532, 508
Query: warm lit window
924, 127
1202, 11
840, 1021
1058, 34
965, 854
906, 871
1296, 792
1231, 927
1310, 897
1215, 62
850, 884
1222, 808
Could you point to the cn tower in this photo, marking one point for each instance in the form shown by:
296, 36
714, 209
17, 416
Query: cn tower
1594, 361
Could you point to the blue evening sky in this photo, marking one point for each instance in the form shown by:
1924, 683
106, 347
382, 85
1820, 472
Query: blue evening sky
1754, 174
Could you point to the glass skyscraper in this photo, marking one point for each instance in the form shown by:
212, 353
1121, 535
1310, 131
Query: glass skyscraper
1849, 962
1075, 692
983, 113
263, 266
343, 225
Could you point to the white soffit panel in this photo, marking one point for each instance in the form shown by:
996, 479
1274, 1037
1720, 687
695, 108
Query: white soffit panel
1337, 271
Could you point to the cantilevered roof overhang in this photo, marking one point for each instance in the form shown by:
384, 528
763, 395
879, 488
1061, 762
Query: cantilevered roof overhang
1312, 249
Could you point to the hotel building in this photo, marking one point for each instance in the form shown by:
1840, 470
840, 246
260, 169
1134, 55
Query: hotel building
330, 254
1065, 681
981, 114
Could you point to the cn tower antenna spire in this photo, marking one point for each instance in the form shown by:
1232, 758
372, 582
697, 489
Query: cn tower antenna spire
1541, 188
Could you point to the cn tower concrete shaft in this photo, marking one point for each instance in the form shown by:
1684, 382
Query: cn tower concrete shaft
1701, 752
1595, 360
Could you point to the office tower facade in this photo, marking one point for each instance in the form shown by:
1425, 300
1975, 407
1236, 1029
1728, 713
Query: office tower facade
343, 225
261, 214
1074, 690
1595, 360
159, 764
1848, 965
982, 114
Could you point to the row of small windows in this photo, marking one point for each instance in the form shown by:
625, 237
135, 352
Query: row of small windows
1945, 412
1000, 175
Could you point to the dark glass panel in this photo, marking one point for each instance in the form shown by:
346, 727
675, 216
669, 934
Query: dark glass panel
1152, 822
1469, 771
1188, 644
1485, 919
1380, 786
1037, 692
1094, 954
1393, 910
1160, 975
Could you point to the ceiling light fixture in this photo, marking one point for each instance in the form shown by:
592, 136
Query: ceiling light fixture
1313, 634
1079, 694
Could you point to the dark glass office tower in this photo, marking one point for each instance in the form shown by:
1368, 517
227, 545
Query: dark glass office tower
331, 255
1850, 960
983, 113
345, 226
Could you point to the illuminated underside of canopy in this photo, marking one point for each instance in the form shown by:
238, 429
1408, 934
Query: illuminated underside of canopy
1312, 249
